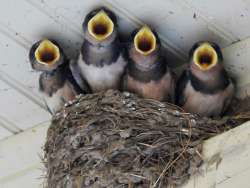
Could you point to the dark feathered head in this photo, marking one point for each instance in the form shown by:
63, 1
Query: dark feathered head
143, 47
100, 23
205, 55
145, 40
46, 55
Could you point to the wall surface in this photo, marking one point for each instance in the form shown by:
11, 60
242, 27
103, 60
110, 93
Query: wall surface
179, 23
226, 161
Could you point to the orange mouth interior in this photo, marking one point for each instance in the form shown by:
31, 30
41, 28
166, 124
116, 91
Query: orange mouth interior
145, 41
100, 26
205, 57
47, 53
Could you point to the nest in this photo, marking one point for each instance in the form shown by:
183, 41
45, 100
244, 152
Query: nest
113, 139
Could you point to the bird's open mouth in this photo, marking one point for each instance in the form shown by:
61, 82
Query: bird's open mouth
100, 26
47, 53
205, 57
145, 41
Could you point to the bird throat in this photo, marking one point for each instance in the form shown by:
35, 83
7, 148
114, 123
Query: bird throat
100, 56
209, 82
152, 73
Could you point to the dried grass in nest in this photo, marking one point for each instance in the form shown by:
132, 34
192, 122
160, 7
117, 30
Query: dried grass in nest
114, 139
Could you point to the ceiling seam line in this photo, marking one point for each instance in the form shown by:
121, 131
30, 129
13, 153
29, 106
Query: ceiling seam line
14, 36
222, 32
22, 89
72, 27
11, 127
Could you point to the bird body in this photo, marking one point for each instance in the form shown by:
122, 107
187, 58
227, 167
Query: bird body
56, 82
103, 78
205, 87
205, 104
156, 83
58, 87
147, 72
101, 60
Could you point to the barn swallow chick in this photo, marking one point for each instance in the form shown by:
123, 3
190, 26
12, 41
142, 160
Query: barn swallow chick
205, 87
56, 82
101, 60
147, 72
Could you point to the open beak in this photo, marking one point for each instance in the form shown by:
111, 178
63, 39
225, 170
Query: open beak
145, 41
101, 26
47, 53
205, 57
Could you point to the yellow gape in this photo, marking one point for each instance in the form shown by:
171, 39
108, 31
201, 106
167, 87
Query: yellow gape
47, 53
145, 41
100, 26
205, 57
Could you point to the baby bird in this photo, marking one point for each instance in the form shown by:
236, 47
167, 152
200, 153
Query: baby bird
205, 87
101, 60
148, 74
56, 82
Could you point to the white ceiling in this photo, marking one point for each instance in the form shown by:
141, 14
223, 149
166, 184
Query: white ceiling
180, 23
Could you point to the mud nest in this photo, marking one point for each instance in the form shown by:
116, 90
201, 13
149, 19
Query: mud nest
114, 139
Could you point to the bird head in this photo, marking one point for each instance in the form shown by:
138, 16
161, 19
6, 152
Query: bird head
206, 55
145, 41
143, 47
46, 55
100, 25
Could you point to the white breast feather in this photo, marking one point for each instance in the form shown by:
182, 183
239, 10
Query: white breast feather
102, 78
54, 102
